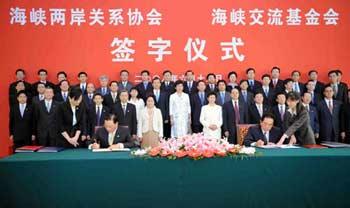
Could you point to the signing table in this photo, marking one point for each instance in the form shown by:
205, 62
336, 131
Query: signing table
81, 178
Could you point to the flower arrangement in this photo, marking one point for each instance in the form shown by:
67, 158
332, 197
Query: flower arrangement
195, 146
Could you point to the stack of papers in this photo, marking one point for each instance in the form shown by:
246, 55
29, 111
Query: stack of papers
335, 144
284, 146
28, 148
51, 149
111, 150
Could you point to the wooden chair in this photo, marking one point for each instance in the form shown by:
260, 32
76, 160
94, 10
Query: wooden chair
242, 130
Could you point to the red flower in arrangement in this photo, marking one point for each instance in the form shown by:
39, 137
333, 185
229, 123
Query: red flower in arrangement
194, 153
164, 153
208, 153
221, 153
154, 151
180, 153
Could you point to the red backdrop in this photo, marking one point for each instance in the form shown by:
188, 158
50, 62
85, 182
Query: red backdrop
75, 48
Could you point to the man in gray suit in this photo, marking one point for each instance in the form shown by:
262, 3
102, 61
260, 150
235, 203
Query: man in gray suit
297, 122
124, 83
222, 96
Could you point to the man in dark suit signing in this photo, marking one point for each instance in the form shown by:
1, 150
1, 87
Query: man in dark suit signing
111, 136
264, 133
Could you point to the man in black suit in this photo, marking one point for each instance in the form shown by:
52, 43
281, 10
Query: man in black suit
329, 111
46, 120
144, 87
167, 84
88, 96
198, 100
254, 85
340, 75
313, 76
61, 75
339, 89
40, 94
313, 114
62, 94
234, 112
268, 92
21, 122
246, 96
96, 115
263, 134
222, 96
211, 80
112, 97
124, 83
190, 86
258, 109
315, 97
345, 118
126, 113
162, 102
71, 121
297, 86
20, 76
112, 135
82, 77
103, 89
42, 73
279, 110
276, 83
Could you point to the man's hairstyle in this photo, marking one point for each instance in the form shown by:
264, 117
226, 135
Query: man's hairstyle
145, 71
75, 93
20, 70
61, 72
250, 69
111, 117
210, 74
267, 115
232, 72
42, 70
21, 92
277, 68
82, 73
293, 96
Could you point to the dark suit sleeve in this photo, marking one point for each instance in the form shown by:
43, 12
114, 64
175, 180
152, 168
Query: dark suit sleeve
300, 121
12, 119
249, 138
134, 121
129, 143
60, 120
224, 118
317, 123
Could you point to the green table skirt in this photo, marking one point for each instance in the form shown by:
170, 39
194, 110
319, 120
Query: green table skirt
79, 178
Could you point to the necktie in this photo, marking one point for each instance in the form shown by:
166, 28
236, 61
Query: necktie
312, 98
74, 118
41, 97
124, 84
64, 96
251, 83
296, 88
260, 110
145, 85
274, 83
48, 106
190, 86
281, 112
124, 109
236, 108
113, 97
335, 89
166, 84
307, 108
266, 137
245, 96
157, 95
202, 98
103, 91
222, 97
266, 92
110, 139
330, 106
83, 87
98, 116
21, 110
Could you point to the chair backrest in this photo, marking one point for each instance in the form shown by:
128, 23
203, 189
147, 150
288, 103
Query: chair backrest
242, 130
